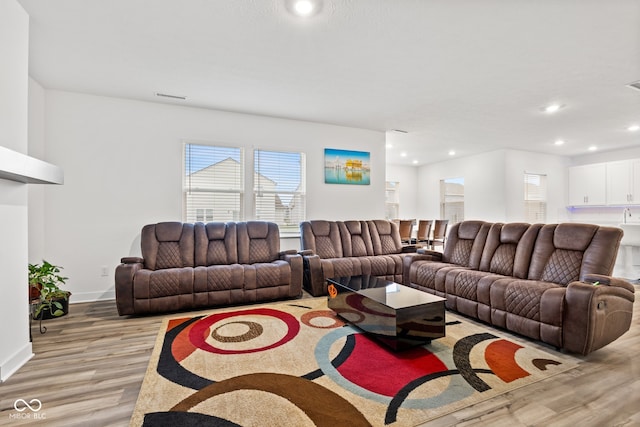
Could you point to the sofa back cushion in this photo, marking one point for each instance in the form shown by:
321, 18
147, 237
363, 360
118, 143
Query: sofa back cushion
465, 242
258, 241
167, 245
385, 237
508, 249
564, 253
356, 239
321, 237
216, 243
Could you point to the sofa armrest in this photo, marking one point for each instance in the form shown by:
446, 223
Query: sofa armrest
596, 315
281, 254
125, 273
409, 249
409, 259
297, 271
132, 260
306, 252
314, 281
609, 281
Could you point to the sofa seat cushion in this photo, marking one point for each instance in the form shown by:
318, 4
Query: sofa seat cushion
467, 291
430, 276
339, 267
529, 307
264, 275
161, 283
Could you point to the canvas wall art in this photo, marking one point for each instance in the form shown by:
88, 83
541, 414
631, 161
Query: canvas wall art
347, 167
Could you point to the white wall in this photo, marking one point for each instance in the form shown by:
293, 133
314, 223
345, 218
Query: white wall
15, 347
410, 189
493, 184
123, 169
36, 192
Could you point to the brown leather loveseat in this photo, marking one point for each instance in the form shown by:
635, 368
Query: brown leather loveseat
350, 248
188, 266
548, 282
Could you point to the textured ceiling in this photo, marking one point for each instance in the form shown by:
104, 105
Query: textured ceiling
469, 76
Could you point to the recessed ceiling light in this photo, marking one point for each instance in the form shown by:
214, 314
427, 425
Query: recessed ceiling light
593, 148
415, 162
303, 7
403, 154
633, 128
559, 142
452, 153
389, 145
552, 108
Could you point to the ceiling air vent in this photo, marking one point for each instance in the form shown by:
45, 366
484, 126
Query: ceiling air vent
634, 85
166, 95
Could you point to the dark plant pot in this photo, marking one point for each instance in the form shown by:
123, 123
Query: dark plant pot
34, 291
46, 314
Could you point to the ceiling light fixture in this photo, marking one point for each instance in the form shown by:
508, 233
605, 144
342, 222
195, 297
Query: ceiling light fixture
304, 8
633, 128
452, 153
389, 145
403, 154
559, 142
415, 162
552, 108
593, 148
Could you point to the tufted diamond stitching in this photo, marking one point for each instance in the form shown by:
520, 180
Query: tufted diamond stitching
387, 243
378, 265
216, 252
462, 252
563, 267
165, 284
524, 300
503, 258
218, 279
357, 246
258, 251
267, 276
465, 286
426, 275
168, 255
324, 247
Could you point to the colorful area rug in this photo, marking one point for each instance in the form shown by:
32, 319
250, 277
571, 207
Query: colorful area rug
297, 364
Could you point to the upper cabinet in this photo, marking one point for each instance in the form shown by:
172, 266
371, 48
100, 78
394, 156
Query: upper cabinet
587, 185
623, 182
601, 184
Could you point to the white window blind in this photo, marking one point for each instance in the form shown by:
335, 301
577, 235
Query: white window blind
279, 188
452, 200
213, 183
535, 198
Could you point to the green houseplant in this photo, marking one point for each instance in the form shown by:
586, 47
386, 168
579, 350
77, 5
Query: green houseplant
45, 281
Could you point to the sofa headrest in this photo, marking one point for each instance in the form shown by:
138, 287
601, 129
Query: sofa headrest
354, 227
216, 230
574, 237
512, 232
383, 226
168, 231
320, 227
468, 230
257, 229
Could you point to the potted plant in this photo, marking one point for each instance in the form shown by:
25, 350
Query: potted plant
44, 280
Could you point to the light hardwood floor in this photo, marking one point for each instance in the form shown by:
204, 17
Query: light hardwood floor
90, 364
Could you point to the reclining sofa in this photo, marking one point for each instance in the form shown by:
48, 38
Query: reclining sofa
188, 266
350, 248
548, 282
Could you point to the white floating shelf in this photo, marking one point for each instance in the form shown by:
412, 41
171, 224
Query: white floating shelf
29, 170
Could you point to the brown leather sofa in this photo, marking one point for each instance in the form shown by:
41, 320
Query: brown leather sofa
350, 248
536, 280
192, 266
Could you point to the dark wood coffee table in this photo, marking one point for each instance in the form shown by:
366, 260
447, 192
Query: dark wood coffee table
399, 316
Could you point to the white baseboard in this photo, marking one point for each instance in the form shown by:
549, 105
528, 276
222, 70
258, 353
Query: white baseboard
15, 362
92, 296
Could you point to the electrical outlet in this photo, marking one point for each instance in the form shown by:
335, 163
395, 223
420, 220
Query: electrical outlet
103, 271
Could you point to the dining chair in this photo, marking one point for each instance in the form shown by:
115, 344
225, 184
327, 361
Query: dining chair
439, 233
406, 228
424, 231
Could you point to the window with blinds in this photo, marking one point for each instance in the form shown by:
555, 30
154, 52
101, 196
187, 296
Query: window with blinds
535, 198
452, 199
213, 183
279, 188
392, 200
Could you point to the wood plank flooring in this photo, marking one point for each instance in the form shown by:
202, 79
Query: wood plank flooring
89, 367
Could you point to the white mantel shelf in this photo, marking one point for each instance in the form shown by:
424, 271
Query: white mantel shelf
19, 167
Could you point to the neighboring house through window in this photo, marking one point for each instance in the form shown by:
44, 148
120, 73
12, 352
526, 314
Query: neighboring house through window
215, 187
535, 198
452, 200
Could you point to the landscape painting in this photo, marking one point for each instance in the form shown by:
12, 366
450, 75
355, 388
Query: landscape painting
347, 167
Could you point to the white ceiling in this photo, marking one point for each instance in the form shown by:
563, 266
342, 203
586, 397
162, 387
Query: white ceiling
463, 75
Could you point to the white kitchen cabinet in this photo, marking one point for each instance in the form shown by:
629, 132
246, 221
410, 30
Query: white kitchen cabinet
623, 182
587, 185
